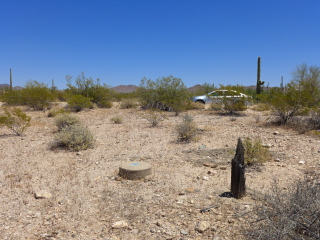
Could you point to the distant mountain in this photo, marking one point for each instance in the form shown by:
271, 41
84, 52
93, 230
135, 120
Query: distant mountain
5, 85
125, 88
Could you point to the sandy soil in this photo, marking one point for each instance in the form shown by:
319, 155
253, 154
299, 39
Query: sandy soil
84, 198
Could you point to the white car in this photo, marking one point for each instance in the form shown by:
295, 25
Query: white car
219, 94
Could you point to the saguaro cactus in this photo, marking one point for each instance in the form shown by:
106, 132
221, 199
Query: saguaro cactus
281, 84
10, 80
259, 83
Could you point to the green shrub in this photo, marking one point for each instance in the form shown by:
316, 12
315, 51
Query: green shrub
187, 129
167, 93
255, 152
15, 119
74, 138
87, 87
79, 102
54, 112
154, 116
128, 103
233, 105
66, 120
298, 97
34, 95
117, 119
194, 106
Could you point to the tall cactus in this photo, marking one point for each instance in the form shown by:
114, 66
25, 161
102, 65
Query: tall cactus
10, 80
259, 83
281, 84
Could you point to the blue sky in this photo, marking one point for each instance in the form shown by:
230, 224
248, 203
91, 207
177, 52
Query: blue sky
121, 41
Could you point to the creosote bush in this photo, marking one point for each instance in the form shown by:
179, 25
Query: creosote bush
74, 138
66, 120
34, 95
233, 105
255, 152
79, 102
117, 119
128, 103
187, 129
15, 119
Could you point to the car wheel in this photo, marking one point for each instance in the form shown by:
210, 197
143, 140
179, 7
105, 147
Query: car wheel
200, 101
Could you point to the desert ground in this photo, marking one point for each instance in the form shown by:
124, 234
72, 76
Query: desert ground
58, 194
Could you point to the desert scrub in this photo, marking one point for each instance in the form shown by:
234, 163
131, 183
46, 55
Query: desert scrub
292, 213
79, 102
74, 138
66, 120
128, 103
154, 117
194, 105
261, 107
187, 129
255, 152
15, 119
54, 112
117, 119
217, 106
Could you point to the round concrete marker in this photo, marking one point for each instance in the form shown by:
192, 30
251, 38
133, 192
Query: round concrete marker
135, 170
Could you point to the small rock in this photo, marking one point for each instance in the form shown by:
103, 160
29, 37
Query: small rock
275, 133
120, 224
202, 226
211, 172
190, 190
42, 194
206, 164
302, 162
202, 146
223, 168
205, 178
214, 165
79, 153
184, 232
267, 145
277, 160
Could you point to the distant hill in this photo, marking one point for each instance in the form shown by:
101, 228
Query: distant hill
125, 88
194, 88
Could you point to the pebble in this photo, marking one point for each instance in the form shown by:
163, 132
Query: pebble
184, 232
120, 224
202, 226
205, 178
42, 194
302, 162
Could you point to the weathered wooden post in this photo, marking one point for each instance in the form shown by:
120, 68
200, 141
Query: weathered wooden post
238, 180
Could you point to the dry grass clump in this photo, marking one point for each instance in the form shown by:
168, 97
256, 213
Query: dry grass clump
287, 214
255, 152
117, 119
261, 107
66, 120
128, 103
187, 129
154, 117
74, 138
